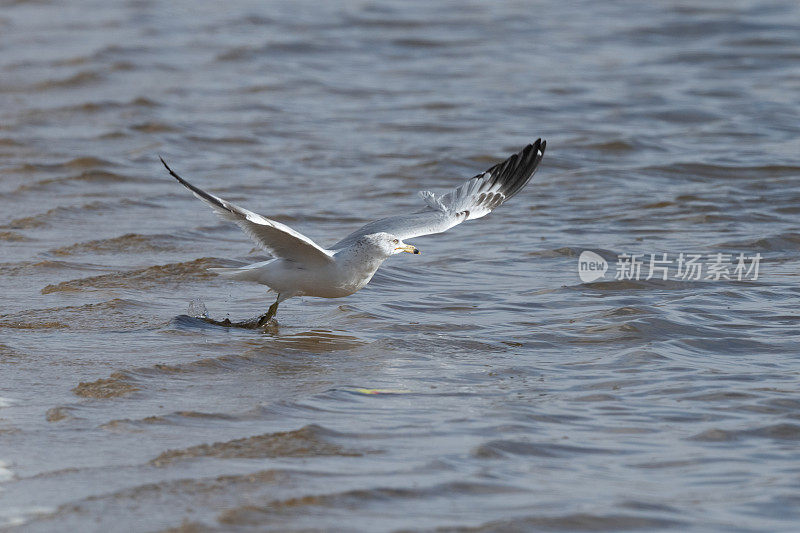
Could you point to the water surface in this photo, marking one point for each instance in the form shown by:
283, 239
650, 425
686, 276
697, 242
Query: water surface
516, 397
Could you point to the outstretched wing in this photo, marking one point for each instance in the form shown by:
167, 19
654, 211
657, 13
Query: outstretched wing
278, 239
474, 199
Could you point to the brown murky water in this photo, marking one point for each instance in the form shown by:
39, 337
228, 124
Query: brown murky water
516, 397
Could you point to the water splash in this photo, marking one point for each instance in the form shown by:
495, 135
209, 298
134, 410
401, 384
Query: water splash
197, 309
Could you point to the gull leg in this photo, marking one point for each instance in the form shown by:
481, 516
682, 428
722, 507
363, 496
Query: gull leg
273, 309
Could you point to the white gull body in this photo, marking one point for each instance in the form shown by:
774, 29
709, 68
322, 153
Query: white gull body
301, 267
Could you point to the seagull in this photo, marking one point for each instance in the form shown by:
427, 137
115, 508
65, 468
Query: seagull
301, 267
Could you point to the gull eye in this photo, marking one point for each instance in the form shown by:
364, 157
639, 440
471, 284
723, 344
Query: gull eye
395, 241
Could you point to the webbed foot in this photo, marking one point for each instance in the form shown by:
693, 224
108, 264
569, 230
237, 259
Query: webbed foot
269, 315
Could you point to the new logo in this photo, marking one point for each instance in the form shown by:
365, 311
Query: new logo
591, 266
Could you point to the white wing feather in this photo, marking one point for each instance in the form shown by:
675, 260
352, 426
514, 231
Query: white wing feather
278, 239
474, 199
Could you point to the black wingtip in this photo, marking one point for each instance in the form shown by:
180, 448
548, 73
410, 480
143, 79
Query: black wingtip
171, 172
516, 171
200, 193
175, 175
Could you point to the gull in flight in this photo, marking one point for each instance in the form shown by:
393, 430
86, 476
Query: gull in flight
301, 267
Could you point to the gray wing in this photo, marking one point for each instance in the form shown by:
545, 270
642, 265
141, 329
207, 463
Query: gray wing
278, 239
474, 199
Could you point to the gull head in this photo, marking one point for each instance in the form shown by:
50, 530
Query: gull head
385, 244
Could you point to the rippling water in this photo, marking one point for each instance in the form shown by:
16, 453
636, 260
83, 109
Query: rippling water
514, 396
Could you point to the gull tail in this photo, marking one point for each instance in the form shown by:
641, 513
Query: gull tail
244, 273
233, 273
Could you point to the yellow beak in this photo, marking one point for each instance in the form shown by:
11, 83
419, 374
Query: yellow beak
408, 248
